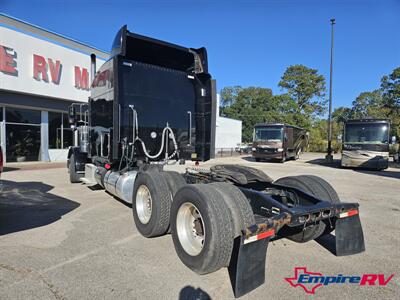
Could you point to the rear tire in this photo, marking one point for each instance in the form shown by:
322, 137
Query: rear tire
175, 181
151, 203
74, 177
319, 188
242, 213
257, 159
202, 228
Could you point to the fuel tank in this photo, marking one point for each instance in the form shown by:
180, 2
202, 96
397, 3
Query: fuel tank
120, 185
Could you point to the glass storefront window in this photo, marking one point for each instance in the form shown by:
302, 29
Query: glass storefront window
60, 134
67, 132
22, 134
55, 127
23, 142
25, 116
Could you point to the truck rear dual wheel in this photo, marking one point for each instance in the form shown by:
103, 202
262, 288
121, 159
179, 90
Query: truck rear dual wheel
204, 224
151, 203
150, 206
319, 188
238, 204
175, 181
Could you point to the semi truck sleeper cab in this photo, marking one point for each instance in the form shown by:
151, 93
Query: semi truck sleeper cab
154, 102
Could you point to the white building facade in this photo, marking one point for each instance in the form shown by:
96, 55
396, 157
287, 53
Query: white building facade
228, 133
41, 74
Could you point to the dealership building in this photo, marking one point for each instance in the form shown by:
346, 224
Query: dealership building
41, 74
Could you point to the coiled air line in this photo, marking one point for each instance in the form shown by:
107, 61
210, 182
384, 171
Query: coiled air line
164, 138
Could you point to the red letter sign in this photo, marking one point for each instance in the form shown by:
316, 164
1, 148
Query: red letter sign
7, 61
81, 78
39, 67
55, 71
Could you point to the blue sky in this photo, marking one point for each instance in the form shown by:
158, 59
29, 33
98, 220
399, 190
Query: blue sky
249, 43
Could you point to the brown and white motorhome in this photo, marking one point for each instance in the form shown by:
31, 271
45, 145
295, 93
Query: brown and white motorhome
366, 144
278, 141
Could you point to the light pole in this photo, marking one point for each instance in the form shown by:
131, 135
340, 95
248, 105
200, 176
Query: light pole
329, 156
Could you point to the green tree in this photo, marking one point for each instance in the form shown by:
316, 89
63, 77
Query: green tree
368, 104
307, 88
341, 114
251, 105
390, 88
229, 95
383, 103
319, 136
303, 101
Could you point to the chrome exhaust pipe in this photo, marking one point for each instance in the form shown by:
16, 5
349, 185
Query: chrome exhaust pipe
92, 67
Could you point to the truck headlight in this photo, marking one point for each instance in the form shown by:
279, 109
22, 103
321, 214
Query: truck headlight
253, 149
279, 149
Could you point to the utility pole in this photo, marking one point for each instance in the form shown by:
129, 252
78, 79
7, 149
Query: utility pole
329, 156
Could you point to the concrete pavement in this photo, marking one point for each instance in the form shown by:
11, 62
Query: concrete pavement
63, 241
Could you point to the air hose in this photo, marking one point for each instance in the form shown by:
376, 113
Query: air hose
166, 133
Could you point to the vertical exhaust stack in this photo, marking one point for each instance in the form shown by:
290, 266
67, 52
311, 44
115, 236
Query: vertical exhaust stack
92, 67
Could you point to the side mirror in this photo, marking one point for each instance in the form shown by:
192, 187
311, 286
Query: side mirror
393, 140
71, 115
286, 138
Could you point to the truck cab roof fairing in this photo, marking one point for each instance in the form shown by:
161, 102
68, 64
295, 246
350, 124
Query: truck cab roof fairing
118, 45
152, 51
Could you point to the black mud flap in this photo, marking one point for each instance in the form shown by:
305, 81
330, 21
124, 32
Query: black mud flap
247, 266
349, 236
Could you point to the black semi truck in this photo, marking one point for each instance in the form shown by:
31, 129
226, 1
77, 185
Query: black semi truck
278, 141
153, 102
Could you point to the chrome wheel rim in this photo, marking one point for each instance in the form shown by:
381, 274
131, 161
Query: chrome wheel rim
190, 229
143, 204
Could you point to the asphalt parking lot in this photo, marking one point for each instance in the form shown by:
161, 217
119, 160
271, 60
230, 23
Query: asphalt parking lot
65, 241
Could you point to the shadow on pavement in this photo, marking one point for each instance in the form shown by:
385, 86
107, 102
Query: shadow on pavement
190, 293
38, 165
336, 164
251, 159
248, 158
328, 241
26, 205
322, 162
383, 173
9, 169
